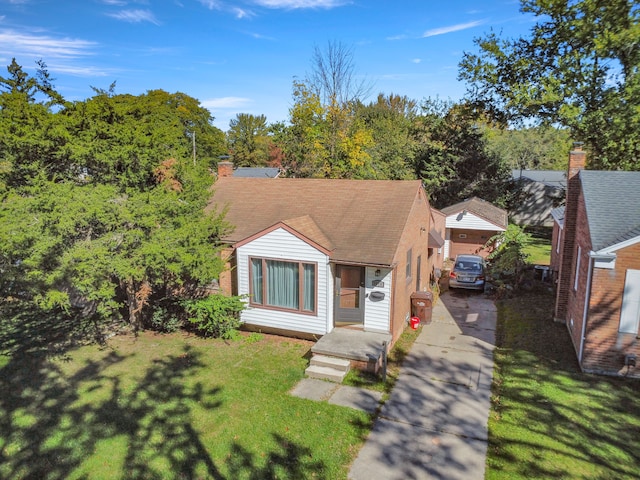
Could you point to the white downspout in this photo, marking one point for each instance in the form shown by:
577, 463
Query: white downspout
587, 299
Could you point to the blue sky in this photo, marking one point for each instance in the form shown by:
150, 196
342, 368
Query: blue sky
241, 56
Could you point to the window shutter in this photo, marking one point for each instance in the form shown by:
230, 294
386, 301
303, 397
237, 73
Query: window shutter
630, 313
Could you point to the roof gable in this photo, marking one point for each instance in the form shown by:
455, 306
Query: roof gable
362, 220
612, 202
480, 208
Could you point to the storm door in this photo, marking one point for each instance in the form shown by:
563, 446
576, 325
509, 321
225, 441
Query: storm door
349, 302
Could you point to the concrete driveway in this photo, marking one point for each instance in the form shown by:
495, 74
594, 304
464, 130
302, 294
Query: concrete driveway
434, 424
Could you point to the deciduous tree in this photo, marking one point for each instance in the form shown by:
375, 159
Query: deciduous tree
579, 68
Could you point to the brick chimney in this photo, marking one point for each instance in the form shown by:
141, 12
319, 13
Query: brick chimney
577, 161
225, 169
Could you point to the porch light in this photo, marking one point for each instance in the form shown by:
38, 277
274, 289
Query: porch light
378, 272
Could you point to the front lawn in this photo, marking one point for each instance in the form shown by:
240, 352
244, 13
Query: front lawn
548, 420
163, 406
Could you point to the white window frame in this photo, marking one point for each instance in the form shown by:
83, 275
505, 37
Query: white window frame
630, 311
577, 273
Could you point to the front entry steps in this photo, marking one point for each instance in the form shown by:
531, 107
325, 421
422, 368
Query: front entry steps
328, 368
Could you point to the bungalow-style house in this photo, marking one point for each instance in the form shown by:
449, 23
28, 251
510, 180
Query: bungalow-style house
314, 255
597, 250
469, 225
538, 193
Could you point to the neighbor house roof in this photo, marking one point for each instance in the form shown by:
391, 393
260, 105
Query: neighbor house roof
482, 209
362, 220
256, 172
550, 178
612, 202
558, 214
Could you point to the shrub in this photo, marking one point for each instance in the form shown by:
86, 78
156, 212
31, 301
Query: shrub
508, 261
217, 315
165, 320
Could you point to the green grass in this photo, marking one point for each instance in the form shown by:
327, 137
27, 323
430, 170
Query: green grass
548, 420
539, 251
163, 406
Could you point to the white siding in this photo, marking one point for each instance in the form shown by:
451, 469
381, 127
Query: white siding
447, 243
469, 221
377, 313
280, 244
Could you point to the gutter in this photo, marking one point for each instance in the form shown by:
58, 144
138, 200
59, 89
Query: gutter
587, 299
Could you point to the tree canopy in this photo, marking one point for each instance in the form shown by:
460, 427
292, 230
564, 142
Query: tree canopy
579, 68
102, 203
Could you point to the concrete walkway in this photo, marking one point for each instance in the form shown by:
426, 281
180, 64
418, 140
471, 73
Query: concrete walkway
434, 424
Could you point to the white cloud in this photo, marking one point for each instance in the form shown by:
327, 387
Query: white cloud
397, 37
135, 16
116, 3
43, 46
294, 4
211, 4
225, 102
452, 28
242, 13
78, 71
416, 60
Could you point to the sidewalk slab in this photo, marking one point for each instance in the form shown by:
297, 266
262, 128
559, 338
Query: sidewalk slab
439, 406
357, 398
410, 452
314, 389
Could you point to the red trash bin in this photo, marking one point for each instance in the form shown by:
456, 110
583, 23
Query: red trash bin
415, 322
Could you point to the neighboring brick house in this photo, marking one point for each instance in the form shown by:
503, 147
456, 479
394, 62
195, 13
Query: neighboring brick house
316, 254
470, 224
598, 262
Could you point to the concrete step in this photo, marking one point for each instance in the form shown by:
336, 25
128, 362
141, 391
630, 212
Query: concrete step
325, 373
341, 364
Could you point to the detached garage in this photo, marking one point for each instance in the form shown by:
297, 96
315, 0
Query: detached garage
470, 224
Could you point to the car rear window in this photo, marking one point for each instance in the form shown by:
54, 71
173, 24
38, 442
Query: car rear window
469, 266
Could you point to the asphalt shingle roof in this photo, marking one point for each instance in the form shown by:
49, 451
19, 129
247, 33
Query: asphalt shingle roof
551, 178
482, 209
612, 201
362, 220
256, 172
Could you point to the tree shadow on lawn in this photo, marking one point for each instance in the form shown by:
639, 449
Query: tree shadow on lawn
52, 422
570, 424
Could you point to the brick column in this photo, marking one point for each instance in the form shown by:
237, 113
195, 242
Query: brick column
225, 169
577, 160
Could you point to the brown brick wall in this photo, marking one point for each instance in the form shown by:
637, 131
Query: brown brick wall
576, 297
605, 348
416, 238
228, 280
577, 159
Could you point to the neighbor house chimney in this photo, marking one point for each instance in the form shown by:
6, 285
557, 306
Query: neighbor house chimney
577, 161
225, 169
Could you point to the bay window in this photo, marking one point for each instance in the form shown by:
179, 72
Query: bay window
286, 285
